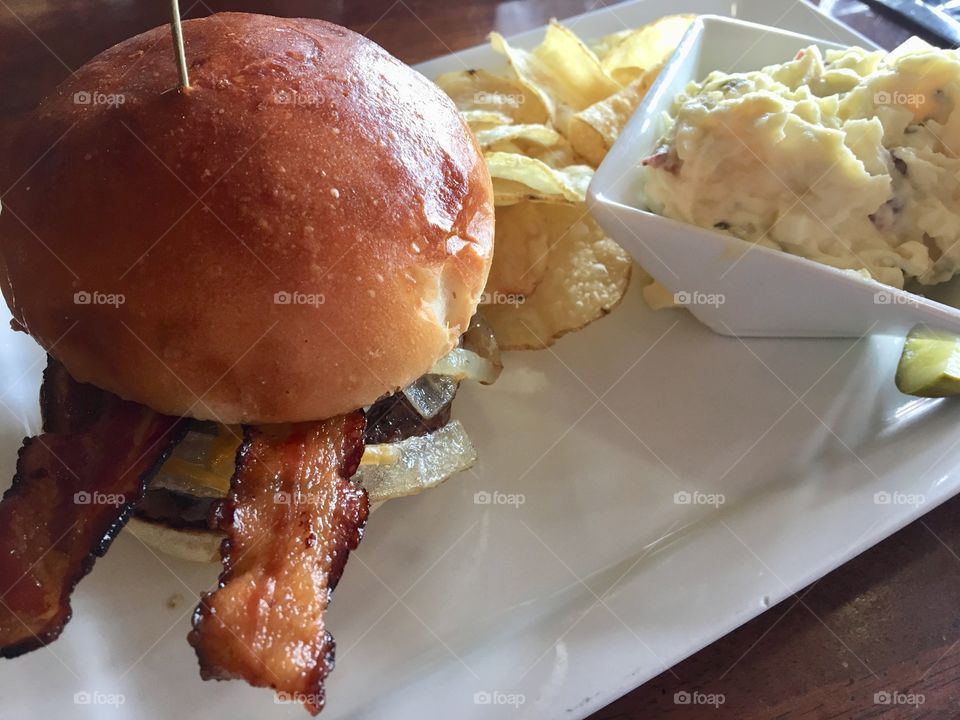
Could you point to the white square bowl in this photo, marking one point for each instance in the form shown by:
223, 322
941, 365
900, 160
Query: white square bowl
733, 286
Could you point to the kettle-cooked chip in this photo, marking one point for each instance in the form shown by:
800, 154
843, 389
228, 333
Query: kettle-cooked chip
508, 192
520, 261
562, 71
567, 184
537, 134
602, 47
505, 146
593, 131
558, 156
587, 275
481, 119
482, 90
628, 55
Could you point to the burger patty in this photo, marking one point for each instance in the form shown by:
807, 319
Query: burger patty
393, 418
176, 510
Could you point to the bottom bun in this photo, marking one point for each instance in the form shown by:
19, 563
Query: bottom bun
184, 544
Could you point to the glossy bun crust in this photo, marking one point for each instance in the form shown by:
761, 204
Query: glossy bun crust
306, 228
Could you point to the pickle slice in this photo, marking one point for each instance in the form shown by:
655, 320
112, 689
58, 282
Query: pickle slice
930, 364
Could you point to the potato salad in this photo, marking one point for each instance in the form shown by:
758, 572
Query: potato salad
849, 158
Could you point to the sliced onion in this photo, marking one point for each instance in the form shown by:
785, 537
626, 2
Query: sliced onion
431, 393
463, 364
479, 338
478, 359
424, 462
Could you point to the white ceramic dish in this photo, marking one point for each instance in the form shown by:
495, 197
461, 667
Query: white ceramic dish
736, 287
454, 609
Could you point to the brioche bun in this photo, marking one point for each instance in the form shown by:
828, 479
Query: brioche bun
182, 543
305, 228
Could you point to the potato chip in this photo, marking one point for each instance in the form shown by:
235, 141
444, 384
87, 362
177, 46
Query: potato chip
508, 192
593, 131
587, 275
522, 245
568, 184
536, 134
560, 155
562, 71
605, 44
482, 90
506, 146
485, 118
558, 112
572, 62
628, 55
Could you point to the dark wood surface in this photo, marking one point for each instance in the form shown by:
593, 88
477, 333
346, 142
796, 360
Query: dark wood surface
887, 622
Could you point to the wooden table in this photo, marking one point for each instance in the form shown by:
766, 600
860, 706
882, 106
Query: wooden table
885, 622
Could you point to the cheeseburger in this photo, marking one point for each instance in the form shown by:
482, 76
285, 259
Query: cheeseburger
258, 297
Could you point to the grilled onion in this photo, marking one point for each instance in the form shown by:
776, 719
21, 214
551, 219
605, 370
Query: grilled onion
424, 462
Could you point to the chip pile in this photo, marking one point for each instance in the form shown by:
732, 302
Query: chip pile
545, 124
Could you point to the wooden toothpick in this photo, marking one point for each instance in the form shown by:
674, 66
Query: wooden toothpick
179, 53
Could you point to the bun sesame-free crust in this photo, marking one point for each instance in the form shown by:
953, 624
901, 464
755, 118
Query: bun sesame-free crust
307, 227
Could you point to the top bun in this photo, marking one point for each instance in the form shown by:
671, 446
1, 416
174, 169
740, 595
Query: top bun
307, 227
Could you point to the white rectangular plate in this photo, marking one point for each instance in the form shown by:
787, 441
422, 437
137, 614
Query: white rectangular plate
603, 576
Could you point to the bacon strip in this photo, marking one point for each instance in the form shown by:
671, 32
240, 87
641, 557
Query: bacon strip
292, 516
74, 489
67, 406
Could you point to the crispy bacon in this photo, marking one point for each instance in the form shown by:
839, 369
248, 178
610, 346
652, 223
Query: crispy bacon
291, 518
67, 406
74, 489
